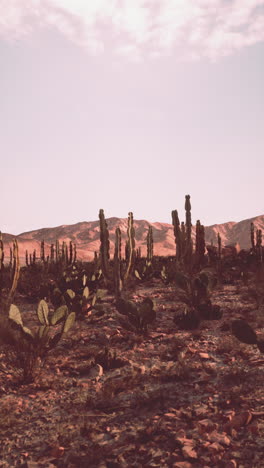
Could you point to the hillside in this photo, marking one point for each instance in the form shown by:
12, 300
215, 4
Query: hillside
86, 235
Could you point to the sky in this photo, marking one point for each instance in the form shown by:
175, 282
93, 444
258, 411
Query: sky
129, 105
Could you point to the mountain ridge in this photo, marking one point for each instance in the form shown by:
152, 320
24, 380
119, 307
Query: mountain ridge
86, 235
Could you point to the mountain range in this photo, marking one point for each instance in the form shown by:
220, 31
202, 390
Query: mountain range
86, 236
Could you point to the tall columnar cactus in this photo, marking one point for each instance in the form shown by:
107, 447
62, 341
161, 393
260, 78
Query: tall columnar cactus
138, 253
27, 261
15, 272
74, 253
219, 246
150, 244
117, 263
1, 252
184, 257
34, 257
42, 251
63, 252
259, 249
126, 250
188, 225
57, 252
105, 245
66, 255
131, 245
252, 236
70, 253
177, 234
52, 253
200, 243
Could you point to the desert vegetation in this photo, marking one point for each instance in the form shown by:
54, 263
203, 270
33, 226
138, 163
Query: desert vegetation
130, 360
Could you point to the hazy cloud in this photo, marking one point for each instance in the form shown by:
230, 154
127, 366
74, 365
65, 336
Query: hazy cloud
138, 28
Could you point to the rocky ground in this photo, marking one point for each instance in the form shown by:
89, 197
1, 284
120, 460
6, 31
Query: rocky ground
107, 397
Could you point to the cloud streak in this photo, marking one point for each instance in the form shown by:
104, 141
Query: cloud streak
188, 29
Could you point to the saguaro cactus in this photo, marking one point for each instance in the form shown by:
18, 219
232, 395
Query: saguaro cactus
150, 244
259, 245
105, 245
57, 253
219, 244
74, 253
42, 251
177, 234
131, 245
117, 263
52, 253
188, 224
200, 243
15, 272
252, 236
70, 253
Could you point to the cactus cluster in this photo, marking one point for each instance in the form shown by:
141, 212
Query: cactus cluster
195, 293
76, 292
256, 242
139, 315
183, 234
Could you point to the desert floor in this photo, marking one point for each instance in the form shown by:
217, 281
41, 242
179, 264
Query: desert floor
172, 398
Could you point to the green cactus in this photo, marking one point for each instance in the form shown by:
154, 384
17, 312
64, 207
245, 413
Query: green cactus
150, 245
131, 246
105, 245
117, 263
32, 347
177, 234
10, 257
188, 224
139, 316
70, 253
252, 236
259, 250
57, 251
74, 253
200, 244
219, 244
52, 253
15, 273
42, 251
195, 292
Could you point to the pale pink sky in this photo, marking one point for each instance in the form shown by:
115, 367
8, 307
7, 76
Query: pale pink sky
128, 105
